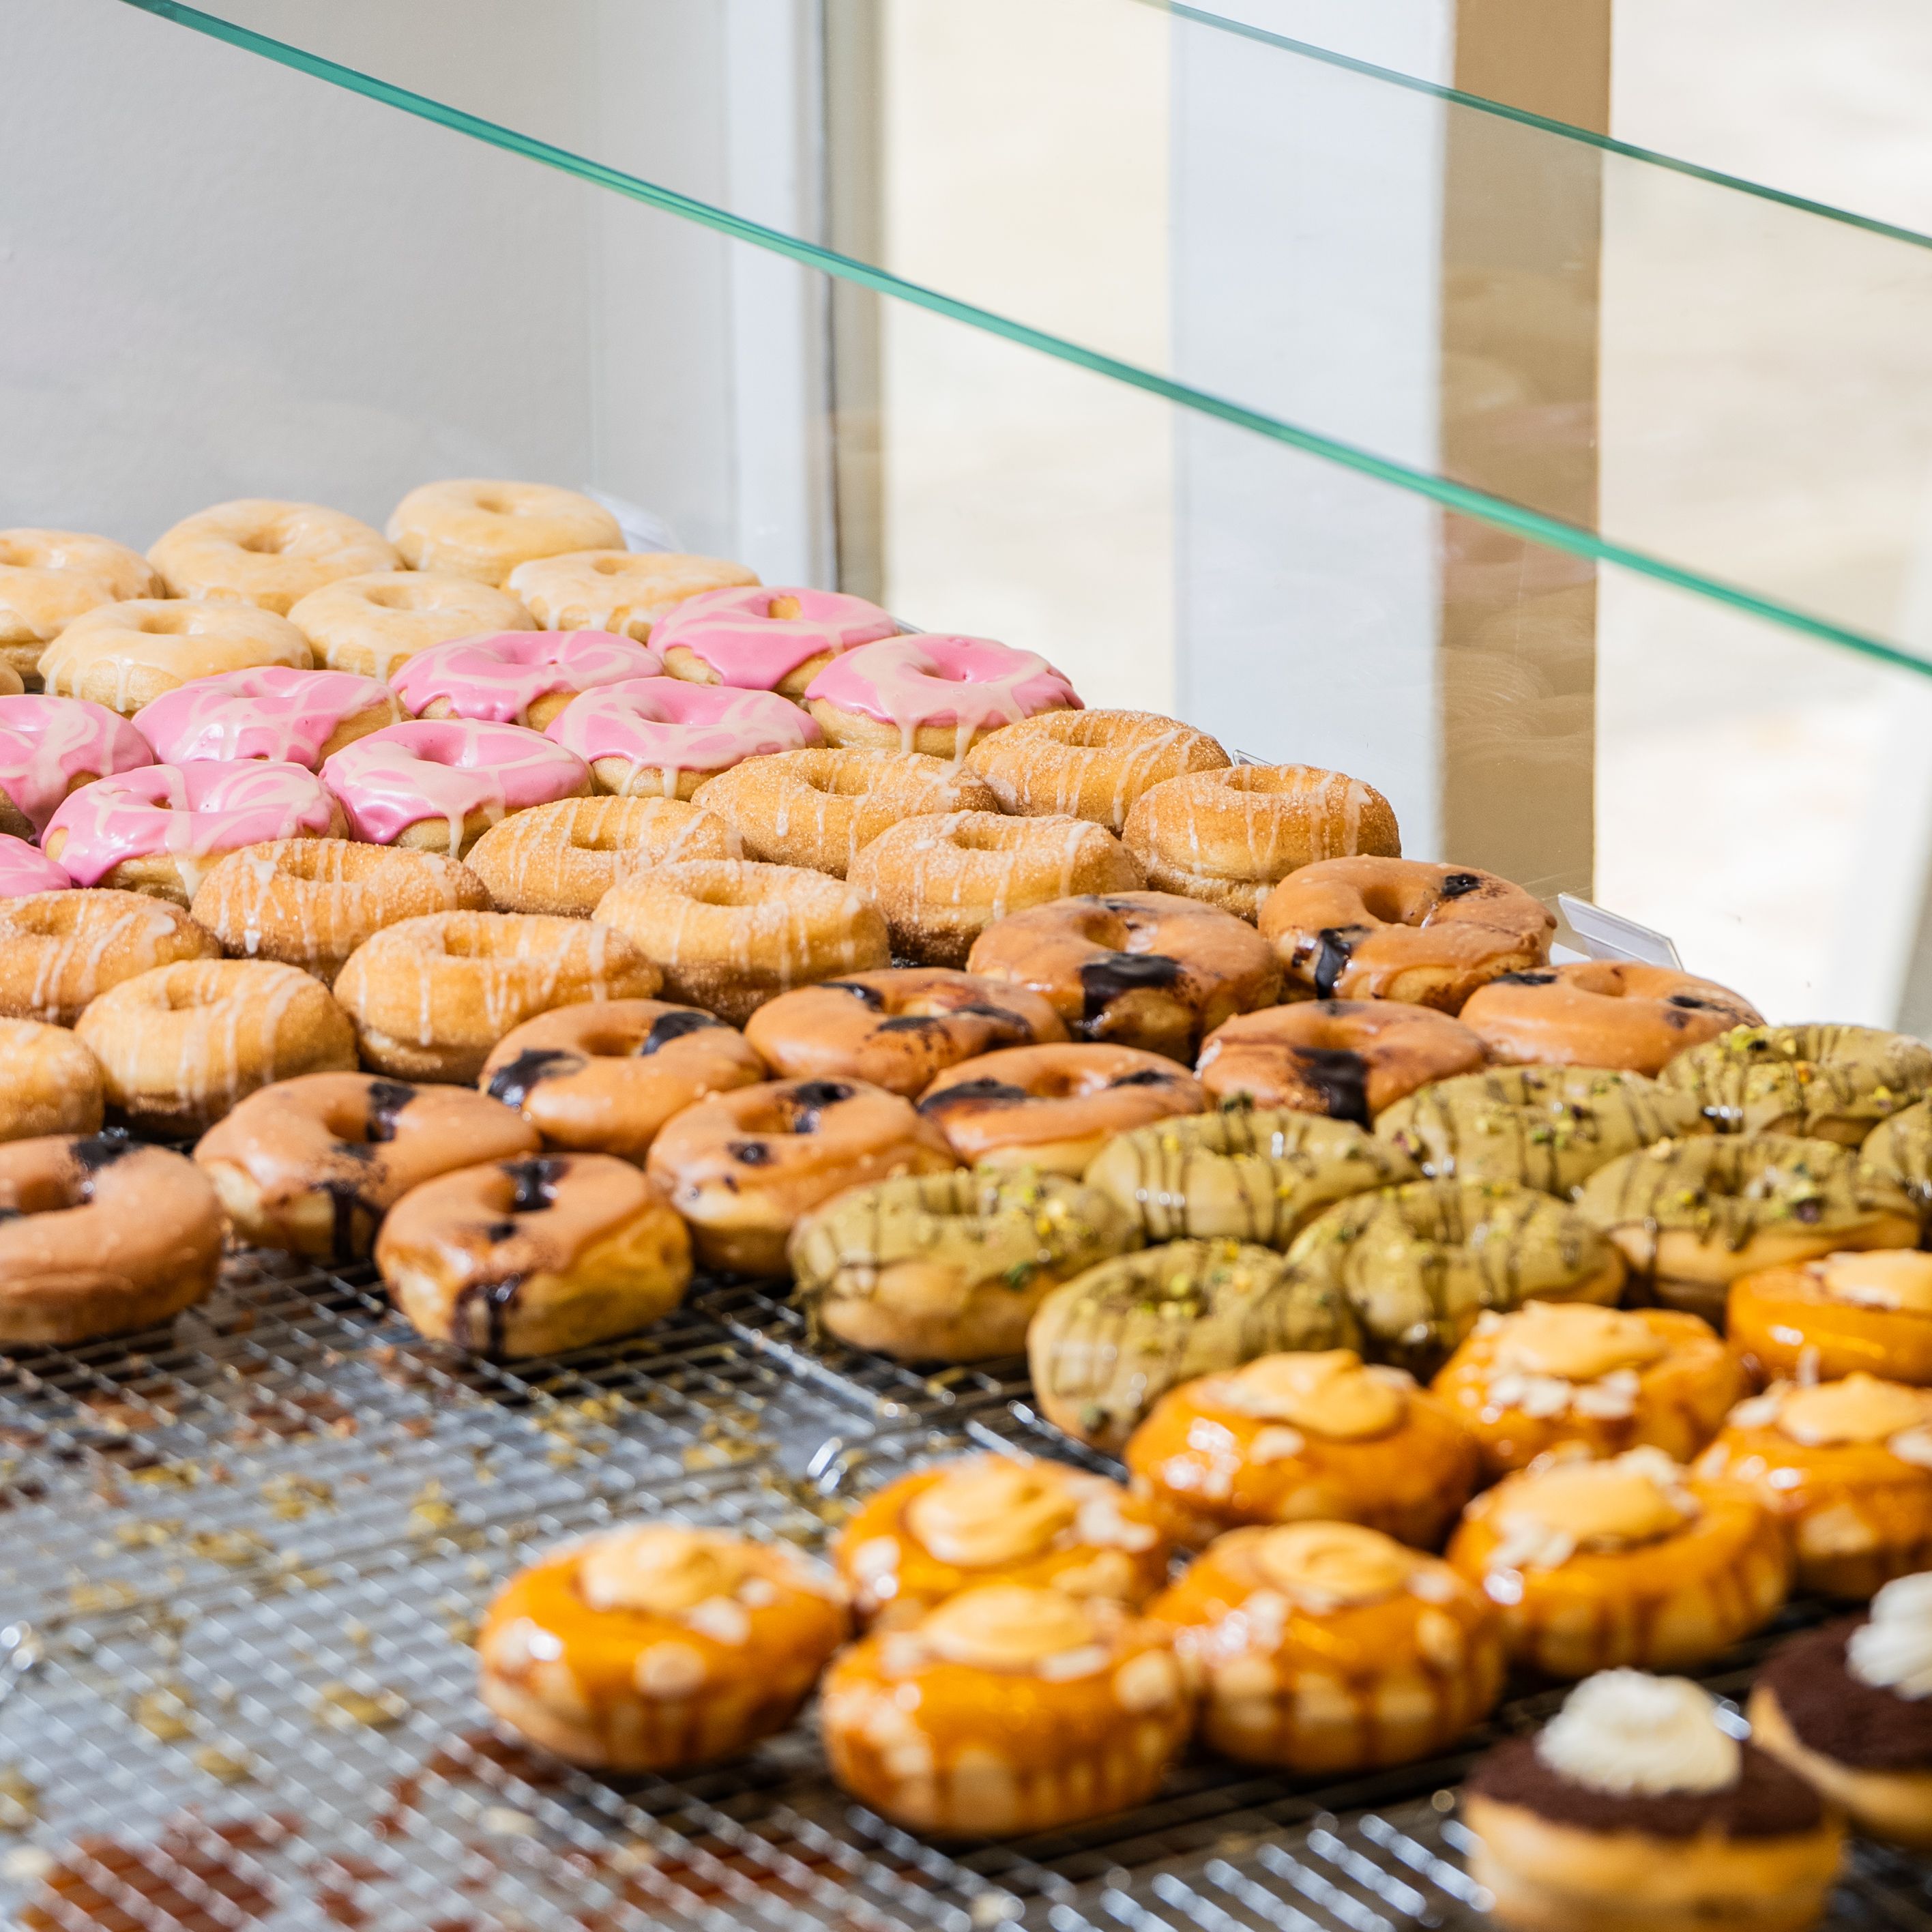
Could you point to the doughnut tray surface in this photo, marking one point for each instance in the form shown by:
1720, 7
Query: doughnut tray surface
240, 1561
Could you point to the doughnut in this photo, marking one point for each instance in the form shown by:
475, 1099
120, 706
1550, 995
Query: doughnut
1103, 1348
368, 625
619, 590
312, 1164
820, 807
179, 1045
125, 656
731, 934
1828, 1083
1152, 969
59, 950
25, 869
899, 1029
1824, 1318
12, 684
1228, 836
1691, 1216
1053, 1108
1346, 1058
1401, 929
49, 1083
604, 1076
100, 1235
535, 1256
478, 528
943, 879
50, 746
949, 1267
662, 736
311, 902
933, 694
1092, 764
516, 677
563, 858
431, 995
259, 551
764, 639
288, 717
1601, 1012
440, 784
49, 577
1900, 1149
658, 1648
1241, 1176
743, 1167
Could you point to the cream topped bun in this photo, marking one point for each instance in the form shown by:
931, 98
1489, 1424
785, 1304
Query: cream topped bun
1550, 1513
661, 1569
1010, 1627
1892, 1650
992, 1512
1574, 1341
1327, 1391
1859, 1410
1326, 1566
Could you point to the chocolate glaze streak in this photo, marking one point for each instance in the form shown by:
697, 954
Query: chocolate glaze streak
511, 1082
387, 1099
1340, 1076
973, 1093
1544, 979
345, 1200
495, 1299
868, 996
808, 1101
99, 1150
536, 1183
752, 1153
1334, 945
1455, 884
1103, 980
668, 1026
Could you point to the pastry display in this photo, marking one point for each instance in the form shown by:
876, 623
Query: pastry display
1091, 764
659, 737
563, 858
369, 625
756, 639
49, 577
948, 1267
621, 591
517, 676
1824, 1318
52, 746
59, 950
259, 551
1828, 1083
1328, 1649
936, 694
480, 528
49, 1082
658, 1648
288, 717
125, 656
25, 869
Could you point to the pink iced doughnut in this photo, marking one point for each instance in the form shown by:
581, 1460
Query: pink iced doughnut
291, 717
517, 677
440, 784
50, 746
933, 694
757, 638
158, 829
662, 737
25, 868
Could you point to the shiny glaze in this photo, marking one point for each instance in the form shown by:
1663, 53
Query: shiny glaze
669, 726
269, 711
25, 868
971, 684
734, 633
495, 679
48, 744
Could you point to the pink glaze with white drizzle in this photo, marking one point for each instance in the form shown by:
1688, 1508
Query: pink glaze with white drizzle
734, 632
188, 811
271, 711
25, 868
971, 683
667, 724
447, 768
46, 743
496, 680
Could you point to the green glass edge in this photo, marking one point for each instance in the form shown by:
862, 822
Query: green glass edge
1497, 511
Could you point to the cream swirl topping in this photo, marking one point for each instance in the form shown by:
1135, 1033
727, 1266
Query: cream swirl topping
1892, 1650
1007, 1626
1326, 1391
990, 1511
1324, 1566
1545, 1516
1860, 1409
661, 1569
1575, 1341
1631, 1735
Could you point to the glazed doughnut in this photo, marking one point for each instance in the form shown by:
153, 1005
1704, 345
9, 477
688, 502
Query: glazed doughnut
517, 677
49, 577
933, 694
440, 784
766, 640
1899, 1150
49, 1083
604, 1076
179, 1046
25, 869
731, 934
1150, 970
563, 858
271, 554
1228, 836
661, 735
430, 996
59, 950
1346, 1058
50, 746
1053, 1108
311, 902
1093, 764
288, 717
478, 528
899, 1029
1829, 1083
619, 590
368, 625
312, 1164
125, 656
743, 1167
99, 1236
1601, 1012
941, 880
534, 1257
1827, 1317
819, 807
1400, 929
948, 1268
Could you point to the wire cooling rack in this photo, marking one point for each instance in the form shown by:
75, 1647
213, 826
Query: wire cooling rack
240, 1563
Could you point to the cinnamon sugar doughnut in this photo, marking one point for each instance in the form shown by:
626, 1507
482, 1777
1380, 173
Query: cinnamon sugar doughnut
49, 577
619, 590
563, 858
49, 1083
1227, 836
777, 639
1094, 764
51, 746
260, 551
369, 625
662, 737
287, 717
1150, 970
474, 526
517, 677
59, 950
12, 684
125, 656
933, 694
941, 880
1402, 929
